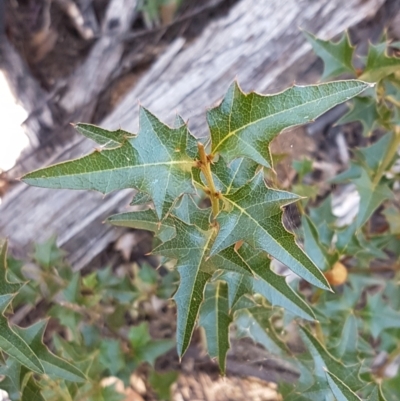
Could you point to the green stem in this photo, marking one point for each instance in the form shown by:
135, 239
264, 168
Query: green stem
205, 166
395, 143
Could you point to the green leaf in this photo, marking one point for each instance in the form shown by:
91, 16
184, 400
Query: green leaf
337, 56
230, 178
324, 361
144, 220
312, 246
190, 248
255, 216
238, 285
52, 364
363, 109
108, 139
391, 389
47, 253
244, 125
155, 162
140, 198
392, 215
144, 348
303, 167
348, 339
10, 342
376, 394
215, 318
111, 356
340, 390
6, 288
371, 157
372, 195
161, 383
379, 316
14, 378
32, 391
255, 323
272, 286
378, 64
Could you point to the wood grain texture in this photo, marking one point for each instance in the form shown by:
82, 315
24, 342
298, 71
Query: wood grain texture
258, 42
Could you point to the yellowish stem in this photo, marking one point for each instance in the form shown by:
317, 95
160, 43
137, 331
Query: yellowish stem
205, 166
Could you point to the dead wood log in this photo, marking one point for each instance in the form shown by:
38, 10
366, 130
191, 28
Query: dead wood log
92, 76
258, 42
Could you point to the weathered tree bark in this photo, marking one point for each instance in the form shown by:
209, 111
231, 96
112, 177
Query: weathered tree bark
258, 42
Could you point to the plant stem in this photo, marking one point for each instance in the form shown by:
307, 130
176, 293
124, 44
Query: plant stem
395, 143
205, 167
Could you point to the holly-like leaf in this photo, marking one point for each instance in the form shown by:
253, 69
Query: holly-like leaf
255, 216
347, 346
340, 390
53, 365
215, 318
140, 198
6, 288
392, 215
12, 344
378, 64
312, 246
238, 286
108, 139
379, 316
244, 125
255, 323
155, 162
144, 220
324, 361
191, 248
364, 110
337, 56
161, 383
10, 341
230, 178
372, 195
376, 394
272, 286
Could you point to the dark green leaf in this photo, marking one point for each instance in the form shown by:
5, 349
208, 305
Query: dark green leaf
13, 345
379, 316
161, 383
372, 195
244, 125
230, 178
189, 247
111, 356
324, 361
255, 323
337, 56
340, 390
144, 220
108, 139
6, 288
155, 162
255, 216
363, 109
215, 318
52, 364
272, 286
378, 64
